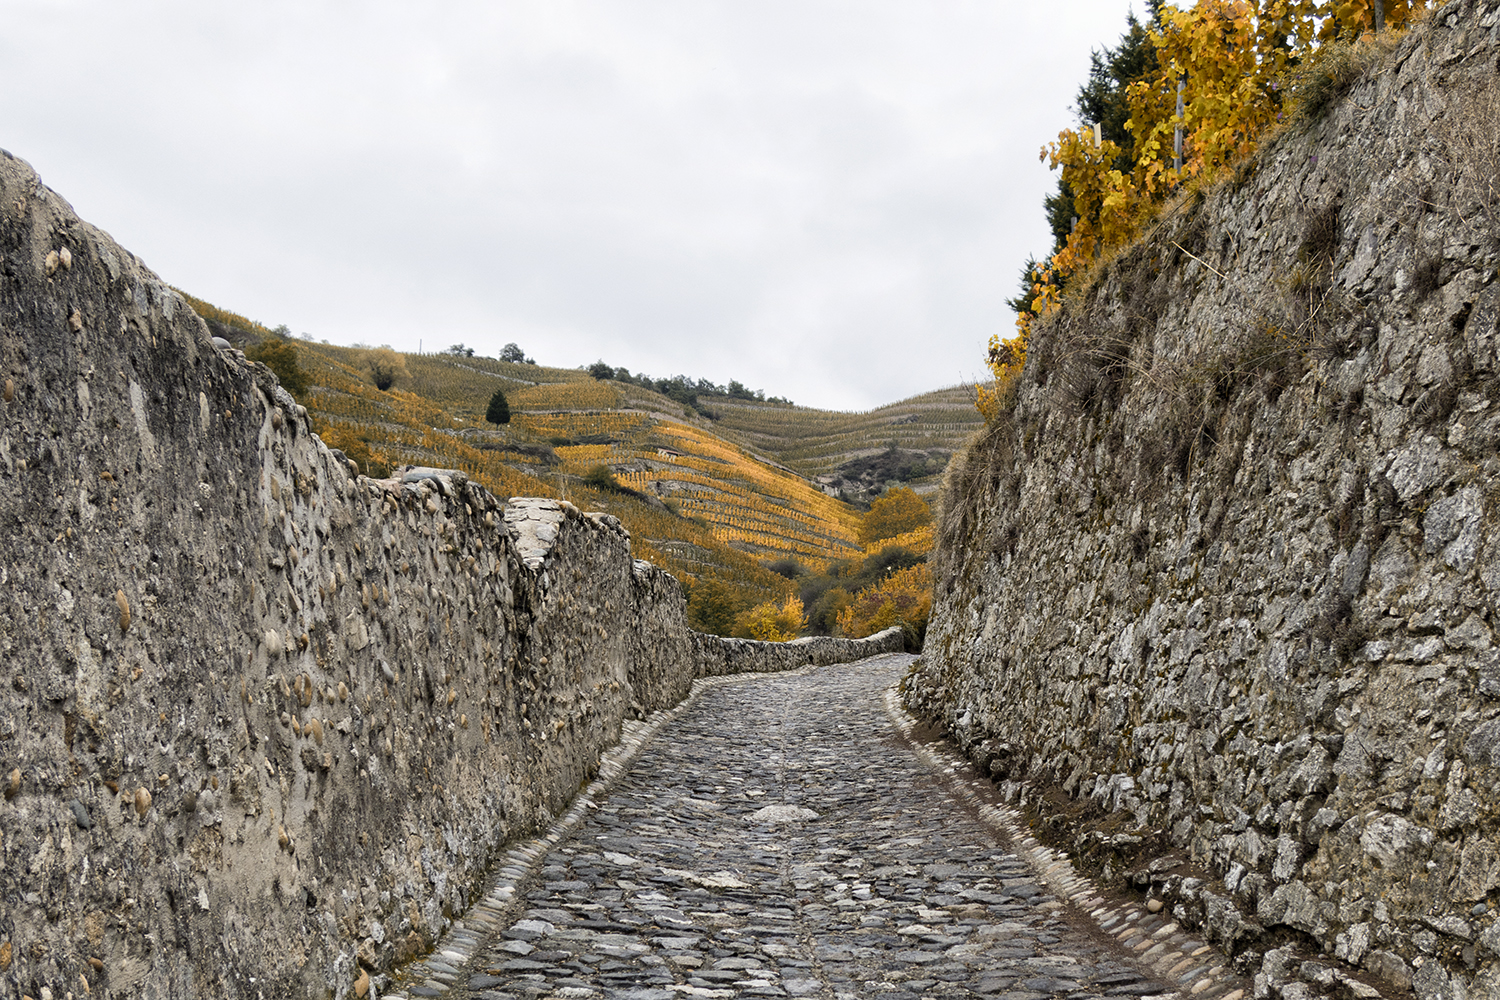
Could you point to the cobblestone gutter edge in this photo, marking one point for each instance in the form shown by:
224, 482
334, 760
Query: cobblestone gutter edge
443, 968
1161, 947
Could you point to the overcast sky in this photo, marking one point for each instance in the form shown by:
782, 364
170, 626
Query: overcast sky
827, 200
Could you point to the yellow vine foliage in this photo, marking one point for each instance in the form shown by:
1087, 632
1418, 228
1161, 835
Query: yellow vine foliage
1231, 57
1233, 60
770, 622
709, 461
919, 540
903, 598
586, 393
580, 457
575, 425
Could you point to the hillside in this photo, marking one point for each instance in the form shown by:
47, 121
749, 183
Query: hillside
713, 493
855, 454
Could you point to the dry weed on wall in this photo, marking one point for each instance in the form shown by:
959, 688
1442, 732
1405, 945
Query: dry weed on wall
1471, 131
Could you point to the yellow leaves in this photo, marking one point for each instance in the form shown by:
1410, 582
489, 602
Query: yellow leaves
992, 400
1217, 52
899, 510
769, 622
919, 540
1228, 62
1115, 197
1105, 199
1005, 355
904, 598
576, 425
580, 457
988, 402
743, 502
585, 393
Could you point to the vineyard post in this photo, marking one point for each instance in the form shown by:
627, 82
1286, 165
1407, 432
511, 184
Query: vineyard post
1379, 14
1177, 132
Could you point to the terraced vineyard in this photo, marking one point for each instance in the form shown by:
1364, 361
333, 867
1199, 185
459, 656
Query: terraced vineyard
694, 505
821, 444
715, 496
752, 505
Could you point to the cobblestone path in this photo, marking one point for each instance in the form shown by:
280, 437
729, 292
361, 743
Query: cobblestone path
780, 839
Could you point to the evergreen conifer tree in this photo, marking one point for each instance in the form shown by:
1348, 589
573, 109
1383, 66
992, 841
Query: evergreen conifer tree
1102, 100
499, 411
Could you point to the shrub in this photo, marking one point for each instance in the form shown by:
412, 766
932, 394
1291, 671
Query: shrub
385, 366
904, 598
601, 478
499, 409
277, 354
769, 622
824, 614
888, 560
789, 568
900, 510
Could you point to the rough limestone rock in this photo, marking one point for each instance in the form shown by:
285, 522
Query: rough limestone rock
262, 725
1225, 581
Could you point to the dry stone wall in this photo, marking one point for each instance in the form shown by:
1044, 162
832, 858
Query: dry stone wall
263, 724
1223, 587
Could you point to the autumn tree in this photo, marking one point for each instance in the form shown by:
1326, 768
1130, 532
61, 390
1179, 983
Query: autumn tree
385, 366
903, 598
1231, 66
898, 511
772, 622
279, 355
713, 606
1102, 100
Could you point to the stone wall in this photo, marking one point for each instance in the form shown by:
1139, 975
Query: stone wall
262, 724
1223, 586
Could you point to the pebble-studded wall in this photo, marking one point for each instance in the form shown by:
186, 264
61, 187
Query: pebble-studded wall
263, 724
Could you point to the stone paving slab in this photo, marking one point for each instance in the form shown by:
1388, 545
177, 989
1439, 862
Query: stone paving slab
782, 836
